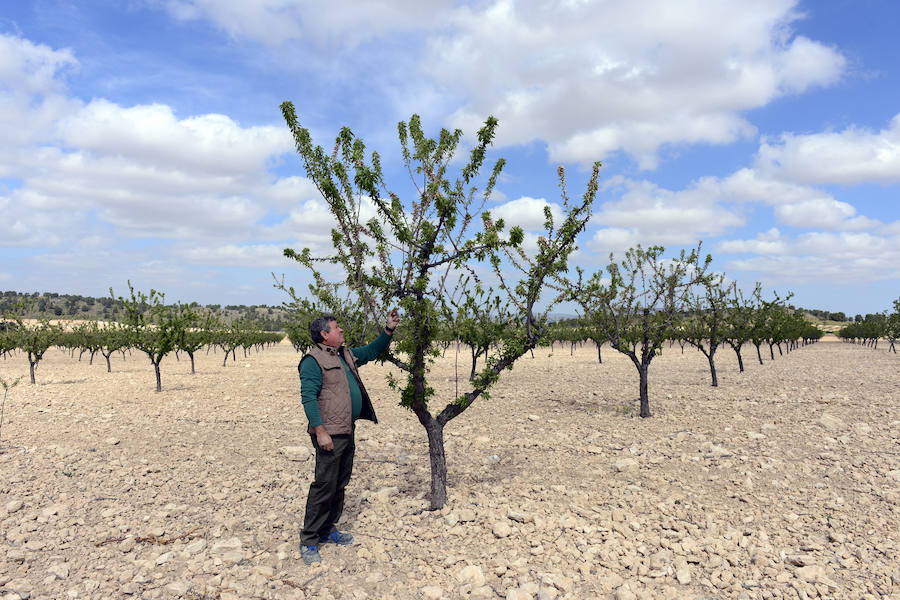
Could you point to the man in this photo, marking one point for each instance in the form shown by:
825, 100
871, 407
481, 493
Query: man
333, 398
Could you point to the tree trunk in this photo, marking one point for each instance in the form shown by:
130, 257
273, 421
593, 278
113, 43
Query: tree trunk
772, 351
599, 356
758, 354
711, 357
191, 354
438, 459
108, 364
474, 359
740, 360
644, 391
32, 364
158, 378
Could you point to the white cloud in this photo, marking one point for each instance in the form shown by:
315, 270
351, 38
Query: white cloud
837, 258
527, 213
139, 169
851, 156
822, 214
340, 22
648, 214
589, 79
229, 255
151, 134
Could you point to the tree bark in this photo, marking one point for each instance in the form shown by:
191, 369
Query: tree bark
191, 354
712, 367
644, 390
158, 378
438, 459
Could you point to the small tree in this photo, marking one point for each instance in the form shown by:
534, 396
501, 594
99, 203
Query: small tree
196, 333
408, 252
479, 323
739, 320
892, 330
153, 327
113, 338
705, 327
641, 297
35, 339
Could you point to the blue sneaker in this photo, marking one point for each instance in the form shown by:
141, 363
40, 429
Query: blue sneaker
310, 554
338, 537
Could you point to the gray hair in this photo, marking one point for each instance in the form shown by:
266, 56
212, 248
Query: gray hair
320, 324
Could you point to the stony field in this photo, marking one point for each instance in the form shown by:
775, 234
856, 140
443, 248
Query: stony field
784, 482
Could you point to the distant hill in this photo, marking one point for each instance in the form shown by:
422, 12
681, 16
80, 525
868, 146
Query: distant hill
69, 306
269, 318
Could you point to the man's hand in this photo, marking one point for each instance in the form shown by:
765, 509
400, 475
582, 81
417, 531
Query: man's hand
393, 319
323, 439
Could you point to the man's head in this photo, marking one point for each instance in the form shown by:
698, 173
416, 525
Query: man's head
324, 330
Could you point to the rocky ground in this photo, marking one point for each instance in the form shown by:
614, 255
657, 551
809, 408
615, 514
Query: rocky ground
784, 482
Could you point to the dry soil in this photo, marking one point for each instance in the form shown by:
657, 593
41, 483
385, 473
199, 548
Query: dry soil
783, 482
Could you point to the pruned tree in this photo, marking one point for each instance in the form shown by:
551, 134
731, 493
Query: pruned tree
892, 331
196, 332
153, 327
479, 322
412, 253
639, 299
35, 339
705, 326
739, 320
113, 338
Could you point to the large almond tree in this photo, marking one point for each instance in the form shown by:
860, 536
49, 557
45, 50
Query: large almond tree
414, 251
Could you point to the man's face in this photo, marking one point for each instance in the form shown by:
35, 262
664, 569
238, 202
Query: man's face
334, 336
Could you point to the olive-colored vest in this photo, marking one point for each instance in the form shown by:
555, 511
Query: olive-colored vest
335, 405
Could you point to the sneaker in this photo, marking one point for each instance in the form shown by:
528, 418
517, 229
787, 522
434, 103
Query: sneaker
338, 537
310, 554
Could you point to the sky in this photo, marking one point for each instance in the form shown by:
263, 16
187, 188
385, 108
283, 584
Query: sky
142, 140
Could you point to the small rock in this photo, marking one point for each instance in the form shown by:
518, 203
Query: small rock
14, 505
195, 547
164, 558
432, 592
515, 516
624, 593
801, 560
232, 557
375, 577
111, 441
177, 588
810, 573
501, 529
471, 575
626, 465
229, 545
466, 515
59, 570
53, 509
384, 494
830, 422
296, 453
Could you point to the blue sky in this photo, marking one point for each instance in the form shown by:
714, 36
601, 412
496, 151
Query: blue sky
144, 139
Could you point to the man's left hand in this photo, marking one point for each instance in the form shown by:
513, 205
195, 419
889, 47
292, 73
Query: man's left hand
392, 320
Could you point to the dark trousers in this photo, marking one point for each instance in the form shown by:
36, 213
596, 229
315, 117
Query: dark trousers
325, 501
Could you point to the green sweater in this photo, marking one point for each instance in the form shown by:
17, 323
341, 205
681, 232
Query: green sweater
311, 379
